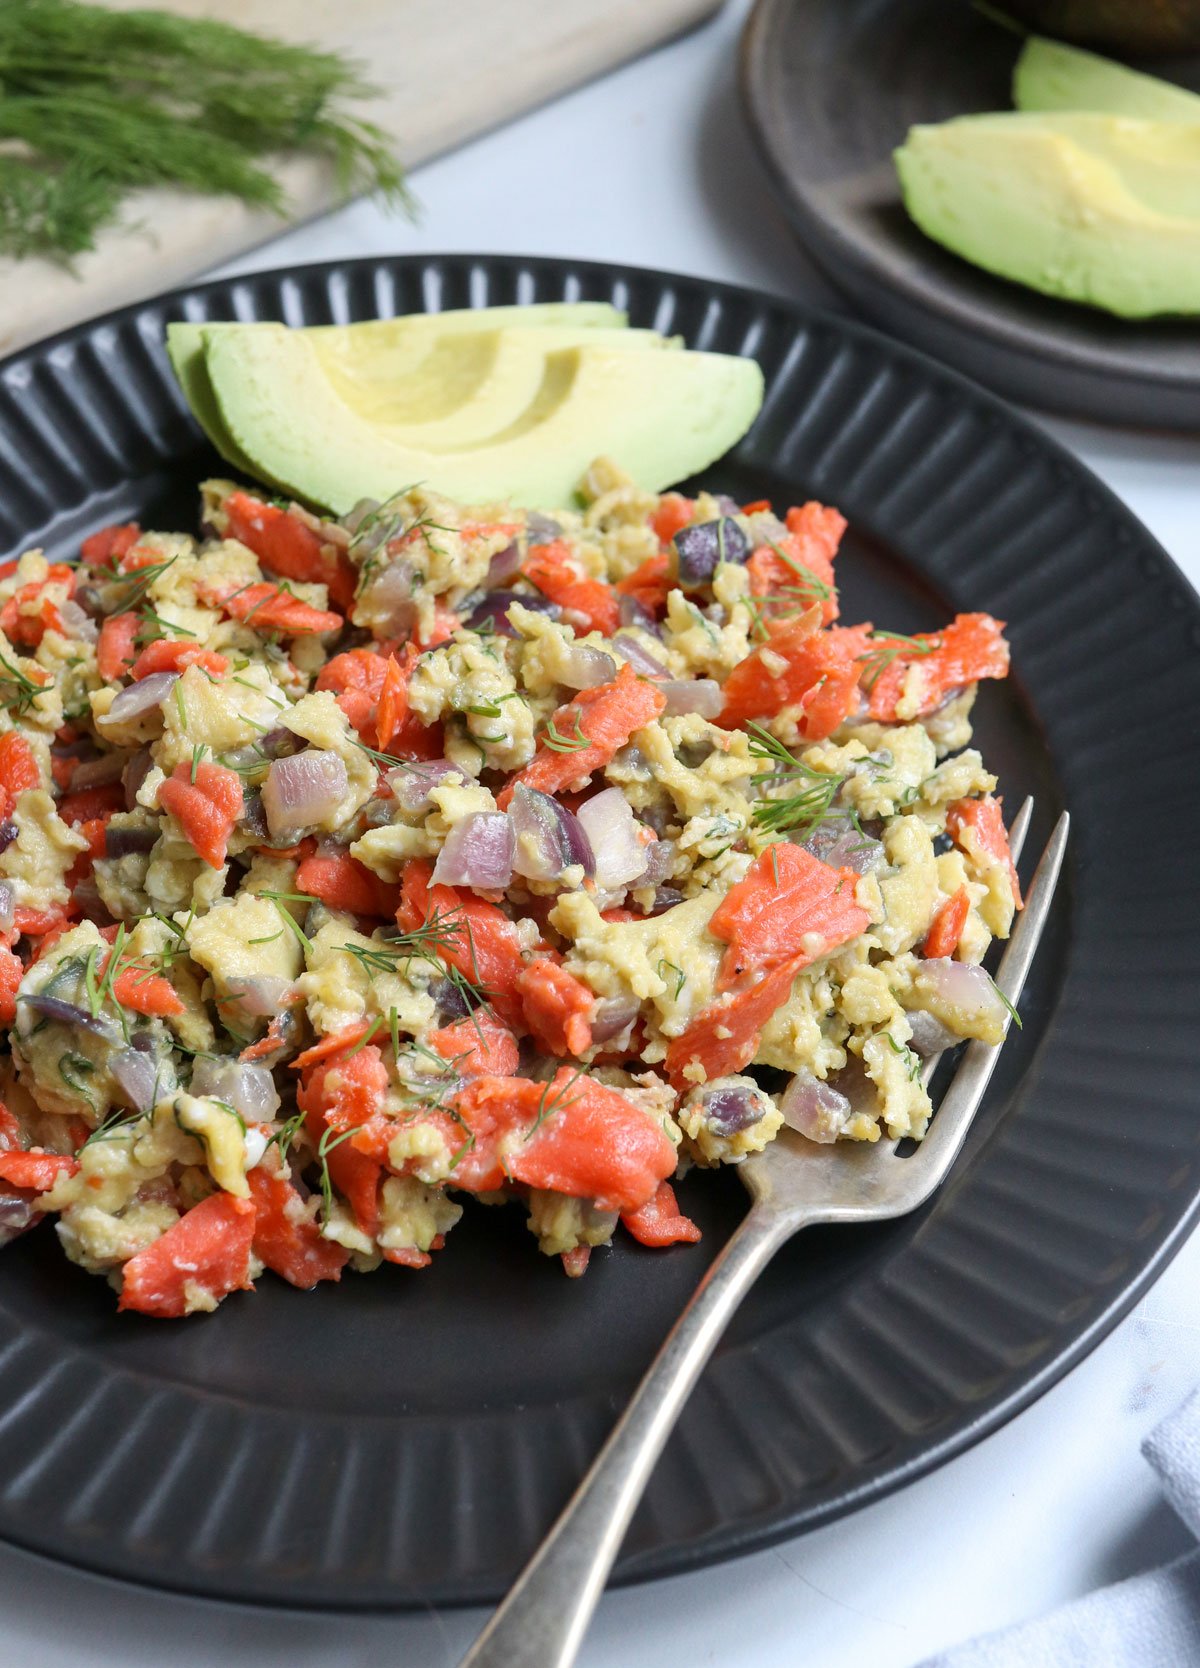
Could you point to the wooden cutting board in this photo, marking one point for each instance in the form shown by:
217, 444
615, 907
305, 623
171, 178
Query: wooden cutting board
448, 70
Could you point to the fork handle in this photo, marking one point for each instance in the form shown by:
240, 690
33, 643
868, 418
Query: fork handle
542, 1622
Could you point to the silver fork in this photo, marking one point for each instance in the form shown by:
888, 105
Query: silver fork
792, 1185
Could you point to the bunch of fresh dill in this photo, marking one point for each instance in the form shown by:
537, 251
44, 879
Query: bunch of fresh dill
96, 103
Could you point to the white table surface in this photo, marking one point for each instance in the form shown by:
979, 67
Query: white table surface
652, 166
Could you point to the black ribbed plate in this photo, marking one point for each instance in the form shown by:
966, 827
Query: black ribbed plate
831, 87
407, 1438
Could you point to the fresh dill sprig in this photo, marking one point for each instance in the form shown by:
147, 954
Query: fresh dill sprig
559, 743
24, 690
813, 795
548, 1102
96, 103
889, 646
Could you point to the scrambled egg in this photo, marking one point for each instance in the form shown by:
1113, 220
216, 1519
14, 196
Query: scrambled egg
349, 869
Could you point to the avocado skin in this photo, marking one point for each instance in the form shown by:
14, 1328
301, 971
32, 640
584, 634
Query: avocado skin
1029, 203
1124, 25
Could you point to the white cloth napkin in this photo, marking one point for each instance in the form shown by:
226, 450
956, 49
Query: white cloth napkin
1149, 1621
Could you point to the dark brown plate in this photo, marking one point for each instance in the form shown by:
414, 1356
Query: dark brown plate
407, 1438
830, 88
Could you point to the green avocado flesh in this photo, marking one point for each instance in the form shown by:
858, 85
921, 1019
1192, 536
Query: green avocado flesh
1051, 76
1091, 208
661, 415
394, 346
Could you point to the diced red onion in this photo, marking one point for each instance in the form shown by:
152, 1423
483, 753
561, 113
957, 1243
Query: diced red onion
660, 860
302, 791
76, 624
17, 1216
839, 843
139, 698
126, 842
7, 907
547, 837
136, 1075
635, 613
700, 547
8, 833
478, 852
541, 529
134, 774
731, 1107
929, 1035
254, 817
66, 1013
612, 832
584, 667
966, 987
613, 1015
451, 1001
666, 897
699, 695
638, 656
504, 565
390, 597
85, 895
99, 772
329, 532
262, 995
728, 505
412, 784
249, 1089
815, 1109
495, 605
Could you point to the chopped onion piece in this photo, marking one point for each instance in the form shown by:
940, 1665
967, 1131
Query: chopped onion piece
541, 529
262, 996
963, 995
700, 695
635, 613
17, 1215
65, 1013
929, 1035
614, 1014
815, 1109
612, 832
504, 565
639, 656
660, 860
249, 1089
301, 792
8, 833
76, 623
495, 605
7, 906
732, 1104
547, 837
838, 842
412, 784
699, 548
134, 774
478, 852
389, 597
584, 667
139, 699
136, 1075
126, 842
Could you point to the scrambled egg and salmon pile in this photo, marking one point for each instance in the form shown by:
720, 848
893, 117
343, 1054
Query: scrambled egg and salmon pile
351, 868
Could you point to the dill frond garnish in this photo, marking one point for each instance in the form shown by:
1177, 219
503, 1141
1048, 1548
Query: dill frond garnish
813, 793
559, 743
890, 646
97, 103
17, 692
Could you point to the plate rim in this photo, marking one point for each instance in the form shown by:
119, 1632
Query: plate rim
736, 1541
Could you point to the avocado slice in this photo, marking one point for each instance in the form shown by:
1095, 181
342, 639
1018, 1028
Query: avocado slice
470, 384
398, 343
1159, 162
662, 416
1051, 76
1027, 201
